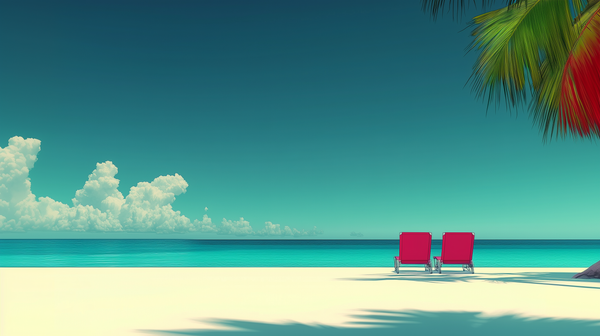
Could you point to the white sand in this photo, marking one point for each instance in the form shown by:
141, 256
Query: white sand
133, 301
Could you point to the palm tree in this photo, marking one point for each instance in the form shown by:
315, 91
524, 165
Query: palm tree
546, 52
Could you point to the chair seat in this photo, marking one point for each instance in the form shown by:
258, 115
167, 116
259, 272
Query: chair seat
420, 261
454, 261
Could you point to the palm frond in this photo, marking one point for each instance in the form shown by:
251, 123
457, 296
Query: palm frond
547, 48
514, 43
546, 107
579, 5
457, 7
586, 13
580, 85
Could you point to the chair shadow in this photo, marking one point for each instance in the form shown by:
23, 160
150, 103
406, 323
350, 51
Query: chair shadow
453, 275
412, 322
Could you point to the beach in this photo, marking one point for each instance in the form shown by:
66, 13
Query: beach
277, 301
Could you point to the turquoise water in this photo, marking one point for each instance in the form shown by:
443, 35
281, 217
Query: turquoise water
278, 253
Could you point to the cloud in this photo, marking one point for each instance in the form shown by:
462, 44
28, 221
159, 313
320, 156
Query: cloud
271, 229
356, 234
100, 190
238, 228
205, 225
243, 228
99, 206
147, 208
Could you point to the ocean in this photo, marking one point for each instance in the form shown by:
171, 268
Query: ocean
278, 253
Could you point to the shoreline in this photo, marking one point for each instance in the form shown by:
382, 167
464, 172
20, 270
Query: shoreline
124, 301
445, 269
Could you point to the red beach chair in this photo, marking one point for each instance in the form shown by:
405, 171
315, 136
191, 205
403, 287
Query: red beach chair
457, 248
415, 248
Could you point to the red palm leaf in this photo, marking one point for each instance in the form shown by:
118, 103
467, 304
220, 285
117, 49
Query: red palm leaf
580, 86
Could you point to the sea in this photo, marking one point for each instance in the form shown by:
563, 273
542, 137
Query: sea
278, 253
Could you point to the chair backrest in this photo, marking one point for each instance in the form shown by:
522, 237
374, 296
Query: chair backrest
457, 247
415, 247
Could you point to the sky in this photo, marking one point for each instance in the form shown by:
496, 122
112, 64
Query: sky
268, 120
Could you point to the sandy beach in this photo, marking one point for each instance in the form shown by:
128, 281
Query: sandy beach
296, 301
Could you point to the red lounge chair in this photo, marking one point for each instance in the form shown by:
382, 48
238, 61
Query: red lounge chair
415, 248
457, 248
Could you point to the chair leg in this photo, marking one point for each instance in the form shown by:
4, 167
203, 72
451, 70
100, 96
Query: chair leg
468, 267
396, 266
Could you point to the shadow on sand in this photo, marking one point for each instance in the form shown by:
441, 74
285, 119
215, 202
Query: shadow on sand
564, 279
407, 323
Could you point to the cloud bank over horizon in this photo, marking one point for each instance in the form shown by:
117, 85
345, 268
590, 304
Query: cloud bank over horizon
100, 207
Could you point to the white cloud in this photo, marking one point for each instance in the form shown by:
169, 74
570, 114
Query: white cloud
205, 225
100, 206
271, 229
243, 228
238, 228
100, 190
147, 208
312, 232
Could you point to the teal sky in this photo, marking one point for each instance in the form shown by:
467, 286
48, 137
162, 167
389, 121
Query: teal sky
349, 116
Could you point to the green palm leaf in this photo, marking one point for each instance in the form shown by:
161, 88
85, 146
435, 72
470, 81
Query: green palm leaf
457, 7
550, 108
514, 42
549, 49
